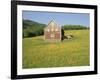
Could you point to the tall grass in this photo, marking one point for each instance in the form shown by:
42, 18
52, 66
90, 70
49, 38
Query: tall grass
38, 53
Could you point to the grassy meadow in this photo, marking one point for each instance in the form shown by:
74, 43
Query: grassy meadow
38, 53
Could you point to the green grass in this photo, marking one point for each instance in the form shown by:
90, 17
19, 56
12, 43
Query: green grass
38, 53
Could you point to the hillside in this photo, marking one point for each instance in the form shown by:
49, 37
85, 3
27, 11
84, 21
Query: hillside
38, 53
74, 27
32, 28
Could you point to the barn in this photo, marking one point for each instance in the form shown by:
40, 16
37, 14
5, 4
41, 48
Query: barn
52, 32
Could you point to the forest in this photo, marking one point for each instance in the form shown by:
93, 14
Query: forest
33, 28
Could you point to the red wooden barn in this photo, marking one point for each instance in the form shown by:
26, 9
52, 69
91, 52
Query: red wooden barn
52, 32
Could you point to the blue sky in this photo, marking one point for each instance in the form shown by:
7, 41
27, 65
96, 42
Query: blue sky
60, 18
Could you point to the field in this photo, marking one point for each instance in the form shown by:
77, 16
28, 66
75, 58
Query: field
38, 53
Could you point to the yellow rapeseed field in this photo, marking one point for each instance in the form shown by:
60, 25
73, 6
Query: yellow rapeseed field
38, 53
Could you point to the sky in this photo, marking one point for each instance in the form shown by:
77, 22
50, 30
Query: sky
61, 18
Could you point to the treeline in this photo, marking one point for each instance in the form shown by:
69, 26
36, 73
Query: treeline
32, 28
74, 27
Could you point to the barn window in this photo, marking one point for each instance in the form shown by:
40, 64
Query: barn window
48, 30
52, 29
56, 29
52, 35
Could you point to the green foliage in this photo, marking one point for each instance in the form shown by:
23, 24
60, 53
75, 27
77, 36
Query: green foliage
37, 53
74, 27
31, 28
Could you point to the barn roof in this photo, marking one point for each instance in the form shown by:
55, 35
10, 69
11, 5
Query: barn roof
53, 21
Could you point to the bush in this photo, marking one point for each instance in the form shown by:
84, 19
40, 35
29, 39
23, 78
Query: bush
32, 28
74, 27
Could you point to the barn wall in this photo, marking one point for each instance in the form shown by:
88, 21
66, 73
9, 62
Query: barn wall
47, 35
57, 34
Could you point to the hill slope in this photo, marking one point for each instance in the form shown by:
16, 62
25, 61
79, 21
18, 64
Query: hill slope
38, 53
32, 28
74, 27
